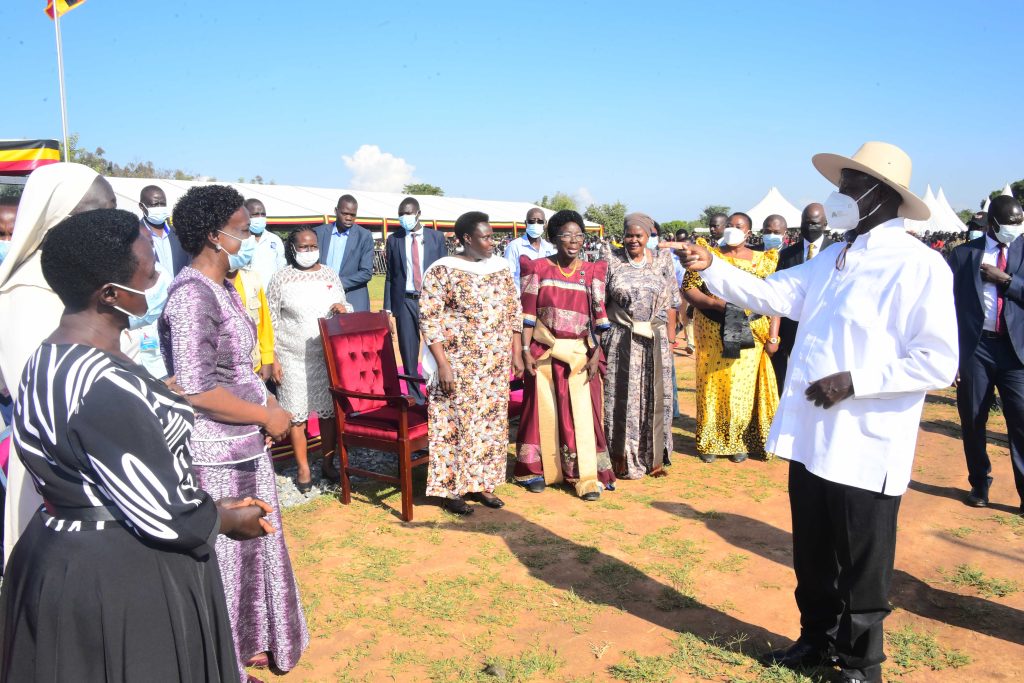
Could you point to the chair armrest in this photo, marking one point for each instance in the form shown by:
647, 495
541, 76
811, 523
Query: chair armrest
411, 378
390, 399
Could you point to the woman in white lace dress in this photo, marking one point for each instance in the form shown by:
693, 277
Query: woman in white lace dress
299, 295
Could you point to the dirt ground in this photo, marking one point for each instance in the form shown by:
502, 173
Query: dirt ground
680, 578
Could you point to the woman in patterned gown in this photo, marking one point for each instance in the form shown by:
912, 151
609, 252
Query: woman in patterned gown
115, 578
472, 332
563, 320
300, 294
642, 298
736, 396
207, 339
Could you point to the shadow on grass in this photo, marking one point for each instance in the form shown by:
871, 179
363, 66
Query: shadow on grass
908, 592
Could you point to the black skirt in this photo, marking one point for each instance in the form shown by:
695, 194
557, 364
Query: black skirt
102, 605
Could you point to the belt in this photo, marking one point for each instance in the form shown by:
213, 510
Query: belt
412, 295
102, 513
988, 334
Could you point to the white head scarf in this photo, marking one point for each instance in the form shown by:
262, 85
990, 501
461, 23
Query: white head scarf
51, 193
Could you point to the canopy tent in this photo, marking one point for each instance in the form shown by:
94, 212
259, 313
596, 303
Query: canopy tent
943, 218
951, 222
773, 203
289, 205
1007, 192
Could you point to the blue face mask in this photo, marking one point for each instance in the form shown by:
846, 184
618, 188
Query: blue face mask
771, 241
257, 225
156, 298
971, 235
534, 230
5, 248
408, 221
652, 242
243, 256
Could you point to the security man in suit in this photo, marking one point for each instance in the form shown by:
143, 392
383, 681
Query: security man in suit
347, 249
813, 228
988, 286
155, 212
408, 254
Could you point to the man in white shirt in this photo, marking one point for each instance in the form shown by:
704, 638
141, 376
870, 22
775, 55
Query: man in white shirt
269, 255
531, 244
988, 286
877, 331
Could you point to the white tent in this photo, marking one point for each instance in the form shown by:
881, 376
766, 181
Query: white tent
317, 203
773, 203
1007, 191
921, 227
943, 218
947, 216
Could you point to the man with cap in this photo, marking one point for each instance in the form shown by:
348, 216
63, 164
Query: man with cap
813, 238
155, 212
877, 332
531, 244
988, 286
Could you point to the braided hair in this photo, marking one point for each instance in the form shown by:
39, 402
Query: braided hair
289, 244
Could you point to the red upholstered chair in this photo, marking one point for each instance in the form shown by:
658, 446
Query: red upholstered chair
369, 407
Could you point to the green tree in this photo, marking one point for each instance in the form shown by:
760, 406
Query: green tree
558, 202
423, 188
674, 226
610, 216
710, 210
964, 214
1017, 188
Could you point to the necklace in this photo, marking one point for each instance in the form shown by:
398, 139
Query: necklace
575, 265
643, 261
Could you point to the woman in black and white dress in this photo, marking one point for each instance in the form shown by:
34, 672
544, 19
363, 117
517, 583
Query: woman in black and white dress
115, 578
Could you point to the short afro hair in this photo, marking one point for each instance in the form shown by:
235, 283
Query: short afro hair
88, 250
561, 219
202, 211
467, 222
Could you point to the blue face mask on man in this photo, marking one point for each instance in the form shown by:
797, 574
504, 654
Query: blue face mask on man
257, 224
974, 234
770, 240
5, 249
652, 242
408, 221
534, 230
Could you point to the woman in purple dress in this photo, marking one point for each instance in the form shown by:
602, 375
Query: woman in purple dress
208, 338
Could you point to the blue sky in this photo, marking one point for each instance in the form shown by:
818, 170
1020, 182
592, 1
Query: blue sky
666, 106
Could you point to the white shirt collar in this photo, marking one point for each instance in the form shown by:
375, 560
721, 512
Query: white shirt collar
817, 243
881, 234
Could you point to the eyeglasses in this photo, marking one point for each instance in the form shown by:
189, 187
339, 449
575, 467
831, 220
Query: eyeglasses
570, 237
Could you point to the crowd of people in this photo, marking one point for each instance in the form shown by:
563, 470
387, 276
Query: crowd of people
198, 327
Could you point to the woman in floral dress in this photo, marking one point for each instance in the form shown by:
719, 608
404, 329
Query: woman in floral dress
642, 298
300, 294
471, 324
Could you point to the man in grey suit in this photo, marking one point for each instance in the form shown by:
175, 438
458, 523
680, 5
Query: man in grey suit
347, 249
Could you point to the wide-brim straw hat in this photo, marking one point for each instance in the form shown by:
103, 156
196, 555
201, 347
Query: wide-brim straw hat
880, 160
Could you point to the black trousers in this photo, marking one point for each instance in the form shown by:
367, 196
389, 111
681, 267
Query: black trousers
407, 320
994, 365
844, 546
780, 362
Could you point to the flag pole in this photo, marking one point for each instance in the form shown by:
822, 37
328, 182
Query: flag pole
60, 77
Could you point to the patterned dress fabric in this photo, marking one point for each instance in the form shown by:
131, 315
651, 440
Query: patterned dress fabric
139, 599
645, 293
474, 316
297, 300
571, 307
736, 397
209, 342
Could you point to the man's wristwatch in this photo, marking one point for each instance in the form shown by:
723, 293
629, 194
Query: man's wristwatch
773, 340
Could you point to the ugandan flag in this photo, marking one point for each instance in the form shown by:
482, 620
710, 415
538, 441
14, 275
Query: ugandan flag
61, 7
21, 157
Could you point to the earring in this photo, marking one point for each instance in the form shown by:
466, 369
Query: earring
217, 247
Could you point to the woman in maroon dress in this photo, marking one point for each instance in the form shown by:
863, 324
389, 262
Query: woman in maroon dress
561, 434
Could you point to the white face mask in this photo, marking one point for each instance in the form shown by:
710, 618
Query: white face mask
1008, 233
770, 240
843, 211
974, 234
307, 259
157, 215
733, 237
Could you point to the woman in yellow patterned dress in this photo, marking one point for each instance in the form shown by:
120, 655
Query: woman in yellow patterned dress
472, 327
736, 390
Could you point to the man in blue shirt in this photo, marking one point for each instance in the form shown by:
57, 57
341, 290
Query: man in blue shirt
531, 244
155, 212
347, 249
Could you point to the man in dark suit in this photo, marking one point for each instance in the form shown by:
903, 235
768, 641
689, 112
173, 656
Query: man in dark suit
155, 212
988, 287
813, 239
408, 254
347, 249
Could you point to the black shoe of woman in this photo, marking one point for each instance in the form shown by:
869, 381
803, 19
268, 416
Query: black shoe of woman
592, 496
303, 487
457, 506
489, 499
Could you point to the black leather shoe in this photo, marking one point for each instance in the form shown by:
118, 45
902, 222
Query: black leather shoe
457, 506
977, 498
591, 497
537, 486
796, 656
489, 499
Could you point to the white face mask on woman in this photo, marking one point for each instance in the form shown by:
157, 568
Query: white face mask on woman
307, 259
733, 237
